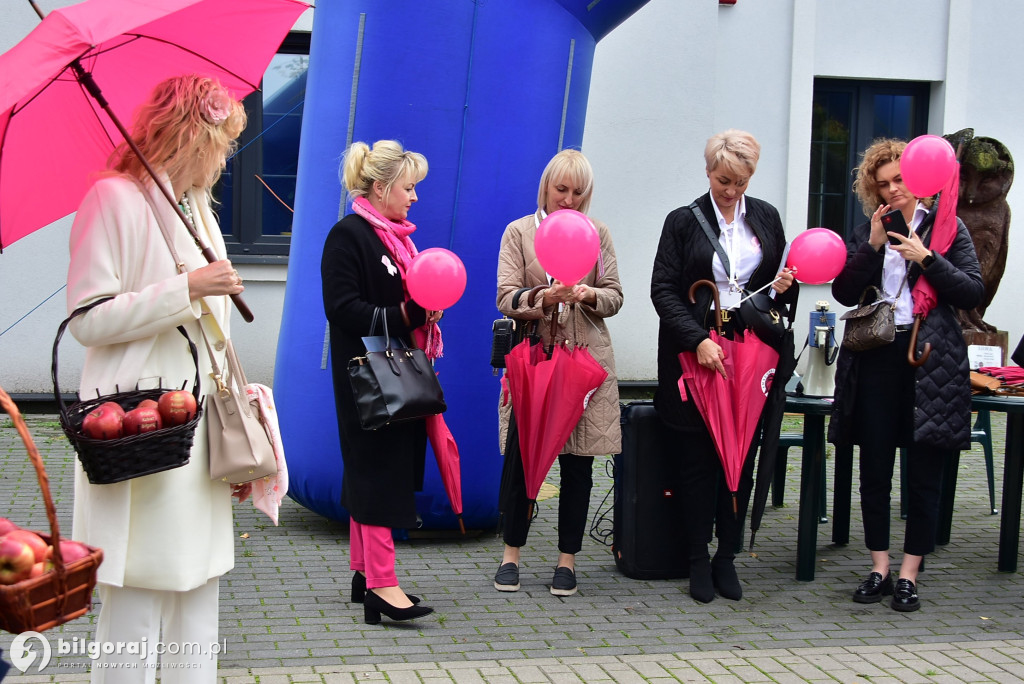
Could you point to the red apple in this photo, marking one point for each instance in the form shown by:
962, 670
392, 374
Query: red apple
148, 403
35, 542
177, 407
104, 422
142, 419
6, 526
16, 560
71, 551
41, 568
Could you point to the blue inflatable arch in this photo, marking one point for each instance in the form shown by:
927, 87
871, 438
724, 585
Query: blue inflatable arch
488, 91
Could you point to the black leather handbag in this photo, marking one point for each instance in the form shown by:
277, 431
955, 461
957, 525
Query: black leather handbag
393, 383
764, 316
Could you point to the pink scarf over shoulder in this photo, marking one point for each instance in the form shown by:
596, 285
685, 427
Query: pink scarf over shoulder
395, 236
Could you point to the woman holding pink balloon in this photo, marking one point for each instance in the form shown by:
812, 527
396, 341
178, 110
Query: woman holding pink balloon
748, 232
577, 269
881, 401
365, 261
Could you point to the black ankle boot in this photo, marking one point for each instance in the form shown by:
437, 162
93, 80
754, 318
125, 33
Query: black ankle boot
359, 589
374, 605
701, 586
723, 573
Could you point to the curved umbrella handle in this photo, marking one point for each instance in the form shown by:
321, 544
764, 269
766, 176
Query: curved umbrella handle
714, 295
553, 328
912, 357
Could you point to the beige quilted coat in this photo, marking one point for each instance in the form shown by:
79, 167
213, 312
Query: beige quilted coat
598, 430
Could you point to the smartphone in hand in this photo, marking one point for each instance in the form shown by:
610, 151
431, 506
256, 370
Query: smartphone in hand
893, 222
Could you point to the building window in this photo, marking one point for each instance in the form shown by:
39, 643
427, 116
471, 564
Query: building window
257, 190
848, 115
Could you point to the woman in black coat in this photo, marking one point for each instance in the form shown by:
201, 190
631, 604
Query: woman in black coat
364, 261
881, 401
750, 234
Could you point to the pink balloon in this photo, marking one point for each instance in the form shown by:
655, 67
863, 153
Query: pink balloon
817, 254
436, 278
926, 164
567, 245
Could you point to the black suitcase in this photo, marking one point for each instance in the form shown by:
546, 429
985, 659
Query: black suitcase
649, 530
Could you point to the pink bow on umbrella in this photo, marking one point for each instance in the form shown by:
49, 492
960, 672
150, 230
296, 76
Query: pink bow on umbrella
943, 233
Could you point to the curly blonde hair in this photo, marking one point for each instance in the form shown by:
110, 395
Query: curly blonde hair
881, 152
387, 162
573, 166
189, 125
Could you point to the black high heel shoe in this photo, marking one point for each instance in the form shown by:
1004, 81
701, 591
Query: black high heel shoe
374, 605
359, 589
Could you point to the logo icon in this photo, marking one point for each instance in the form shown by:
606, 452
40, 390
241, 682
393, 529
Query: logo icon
392, 269
23, 655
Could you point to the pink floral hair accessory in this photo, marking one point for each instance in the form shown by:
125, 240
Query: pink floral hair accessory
216, 106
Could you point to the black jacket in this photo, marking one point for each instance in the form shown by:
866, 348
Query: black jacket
684, 257
942, 408
383, 468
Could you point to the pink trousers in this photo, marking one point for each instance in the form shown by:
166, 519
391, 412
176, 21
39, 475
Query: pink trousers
372, 552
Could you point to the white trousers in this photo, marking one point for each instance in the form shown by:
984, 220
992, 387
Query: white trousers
177, 629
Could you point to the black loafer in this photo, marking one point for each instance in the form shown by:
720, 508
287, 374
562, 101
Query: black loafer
873, 588
507, 577
904, 598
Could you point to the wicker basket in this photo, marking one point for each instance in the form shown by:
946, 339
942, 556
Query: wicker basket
65, 592
106, 461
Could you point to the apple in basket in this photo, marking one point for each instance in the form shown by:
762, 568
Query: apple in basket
41, 568
104, 422
16, 560
71, 551
40, 549
147, 403
142, 419
6, 526
177, 407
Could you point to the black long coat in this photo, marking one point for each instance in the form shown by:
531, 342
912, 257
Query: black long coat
383, 468
942, 405
684, 257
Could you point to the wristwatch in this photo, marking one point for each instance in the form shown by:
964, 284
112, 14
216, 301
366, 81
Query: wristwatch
928, 261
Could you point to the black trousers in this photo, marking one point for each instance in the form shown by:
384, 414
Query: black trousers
885, 422
573, 504
708, 503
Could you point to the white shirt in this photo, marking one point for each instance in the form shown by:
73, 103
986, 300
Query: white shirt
743, 250
894, 270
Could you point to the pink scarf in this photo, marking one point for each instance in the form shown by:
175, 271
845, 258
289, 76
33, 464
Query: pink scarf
395, 237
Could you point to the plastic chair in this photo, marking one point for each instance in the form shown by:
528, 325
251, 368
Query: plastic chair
787, 440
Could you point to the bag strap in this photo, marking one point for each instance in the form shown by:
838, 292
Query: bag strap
178, 263
518, 295
699, 215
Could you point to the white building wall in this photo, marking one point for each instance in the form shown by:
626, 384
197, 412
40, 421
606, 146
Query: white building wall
764, 56
663, 82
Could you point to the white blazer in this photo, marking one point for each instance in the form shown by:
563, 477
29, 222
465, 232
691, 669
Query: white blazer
170, 530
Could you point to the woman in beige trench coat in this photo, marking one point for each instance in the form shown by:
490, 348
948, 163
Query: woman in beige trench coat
567, 183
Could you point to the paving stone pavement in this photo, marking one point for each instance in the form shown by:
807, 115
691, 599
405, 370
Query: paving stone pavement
285, 615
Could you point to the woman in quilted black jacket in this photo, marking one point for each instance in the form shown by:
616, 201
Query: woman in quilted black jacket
881, 401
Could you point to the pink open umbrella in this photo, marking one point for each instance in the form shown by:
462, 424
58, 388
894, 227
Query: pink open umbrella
108, 55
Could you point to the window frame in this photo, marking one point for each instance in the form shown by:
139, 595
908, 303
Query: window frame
862, 134
246, 243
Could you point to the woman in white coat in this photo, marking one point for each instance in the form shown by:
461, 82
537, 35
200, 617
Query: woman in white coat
166, 537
